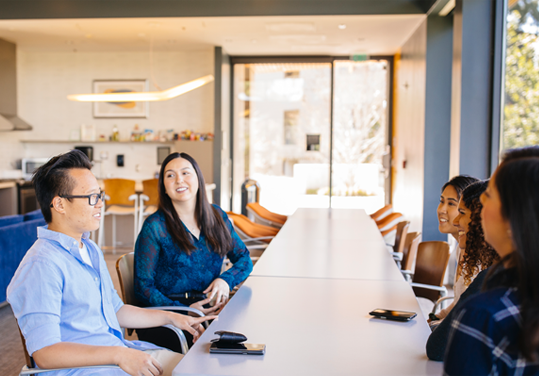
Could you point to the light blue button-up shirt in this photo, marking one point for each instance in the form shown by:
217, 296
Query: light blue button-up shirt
57, 297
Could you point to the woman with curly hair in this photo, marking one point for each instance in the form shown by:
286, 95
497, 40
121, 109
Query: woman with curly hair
474, 254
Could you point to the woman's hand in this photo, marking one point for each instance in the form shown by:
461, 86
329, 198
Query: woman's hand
207, 311
218, 291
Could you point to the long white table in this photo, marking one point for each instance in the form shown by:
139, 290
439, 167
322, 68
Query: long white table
308, 300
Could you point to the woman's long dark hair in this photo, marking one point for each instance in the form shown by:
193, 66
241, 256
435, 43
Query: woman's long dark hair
208, 218
479, 254
517, 182
460, 182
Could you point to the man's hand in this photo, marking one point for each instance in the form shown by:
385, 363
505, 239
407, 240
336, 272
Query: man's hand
189, 323
137, 363
219, 290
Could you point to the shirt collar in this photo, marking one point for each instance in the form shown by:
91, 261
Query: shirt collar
67, 242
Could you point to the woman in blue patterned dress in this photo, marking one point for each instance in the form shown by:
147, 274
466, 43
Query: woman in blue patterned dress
181, 247
497, 332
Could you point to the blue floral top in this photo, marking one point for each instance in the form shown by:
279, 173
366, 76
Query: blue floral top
163, 269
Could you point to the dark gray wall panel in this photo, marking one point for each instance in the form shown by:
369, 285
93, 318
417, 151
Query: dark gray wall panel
476, 87
437, 119
29, 9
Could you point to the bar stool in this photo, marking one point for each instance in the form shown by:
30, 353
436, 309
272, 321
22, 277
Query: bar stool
120, 199
148, 200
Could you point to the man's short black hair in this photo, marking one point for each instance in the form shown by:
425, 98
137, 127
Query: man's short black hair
52, 179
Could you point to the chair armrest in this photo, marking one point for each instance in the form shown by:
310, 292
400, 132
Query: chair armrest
407, 274
133, 197
179, 309
442, 289
397, 255
257, 239
439, 301
32, 371
144, 197
257, 246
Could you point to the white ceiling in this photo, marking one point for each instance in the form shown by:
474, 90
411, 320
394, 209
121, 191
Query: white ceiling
288, 35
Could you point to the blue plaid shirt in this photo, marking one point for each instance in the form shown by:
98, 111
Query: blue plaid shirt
484, 337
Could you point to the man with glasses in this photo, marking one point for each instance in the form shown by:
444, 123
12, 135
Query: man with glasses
62, 294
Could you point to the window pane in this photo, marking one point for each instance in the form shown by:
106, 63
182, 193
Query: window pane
521, 108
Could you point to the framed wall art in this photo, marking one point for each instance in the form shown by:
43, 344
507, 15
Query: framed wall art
120, 109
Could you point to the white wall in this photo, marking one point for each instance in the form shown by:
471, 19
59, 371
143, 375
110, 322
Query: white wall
44, 79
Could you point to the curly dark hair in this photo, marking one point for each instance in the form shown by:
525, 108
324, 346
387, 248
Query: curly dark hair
479, 254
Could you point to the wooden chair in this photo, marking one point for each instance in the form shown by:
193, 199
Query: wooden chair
409, 252
431, 263
400, 240
255, 236
259, 214
389, 222
148, 200
125, 267
120, 199
383, 212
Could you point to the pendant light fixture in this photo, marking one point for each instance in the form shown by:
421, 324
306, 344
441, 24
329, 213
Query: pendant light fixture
148, 96
163, 95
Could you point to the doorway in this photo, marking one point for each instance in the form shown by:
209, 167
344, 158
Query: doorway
313, 133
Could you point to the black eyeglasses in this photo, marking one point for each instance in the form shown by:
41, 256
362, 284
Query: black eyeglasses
92, 198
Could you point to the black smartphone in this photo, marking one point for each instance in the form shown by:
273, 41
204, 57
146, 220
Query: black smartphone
390, 314
238, 348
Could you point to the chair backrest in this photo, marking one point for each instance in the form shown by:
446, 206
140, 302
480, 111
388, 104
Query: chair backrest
150, 188
409, 253
430, 266
389, 221
383, 212
125, 267
251, 229
119, 191
29, 360
266, 214
400, 236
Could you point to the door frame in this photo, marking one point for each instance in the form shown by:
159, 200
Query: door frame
314, 59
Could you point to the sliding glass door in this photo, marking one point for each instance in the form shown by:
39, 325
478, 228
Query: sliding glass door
311, 134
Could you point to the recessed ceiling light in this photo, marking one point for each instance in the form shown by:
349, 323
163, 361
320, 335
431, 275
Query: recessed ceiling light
342, 26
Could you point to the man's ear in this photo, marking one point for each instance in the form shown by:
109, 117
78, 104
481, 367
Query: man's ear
58, 205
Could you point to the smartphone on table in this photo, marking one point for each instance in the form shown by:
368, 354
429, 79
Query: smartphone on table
238, 348
390, 314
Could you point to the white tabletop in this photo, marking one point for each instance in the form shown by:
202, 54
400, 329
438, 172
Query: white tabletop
317, 327
327, 258
308, 300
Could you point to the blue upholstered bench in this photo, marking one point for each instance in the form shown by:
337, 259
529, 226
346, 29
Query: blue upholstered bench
17, 234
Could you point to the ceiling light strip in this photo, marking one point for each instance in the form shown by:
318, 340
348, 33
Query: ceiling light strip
149, 96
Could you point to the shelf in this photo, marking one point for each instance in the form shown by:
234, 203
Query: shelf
105, 142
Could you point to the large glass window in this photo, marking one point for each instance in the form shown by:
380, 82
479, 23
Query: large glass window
521, 107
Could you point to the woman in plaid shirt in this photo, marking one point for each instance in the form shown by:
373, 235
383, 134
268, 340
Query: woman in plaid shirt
497, 331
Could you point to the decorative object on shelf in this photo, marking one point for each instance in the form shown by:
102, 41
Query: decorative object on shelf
87, 132
115, 134
193, 136
123, 96
113, 106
